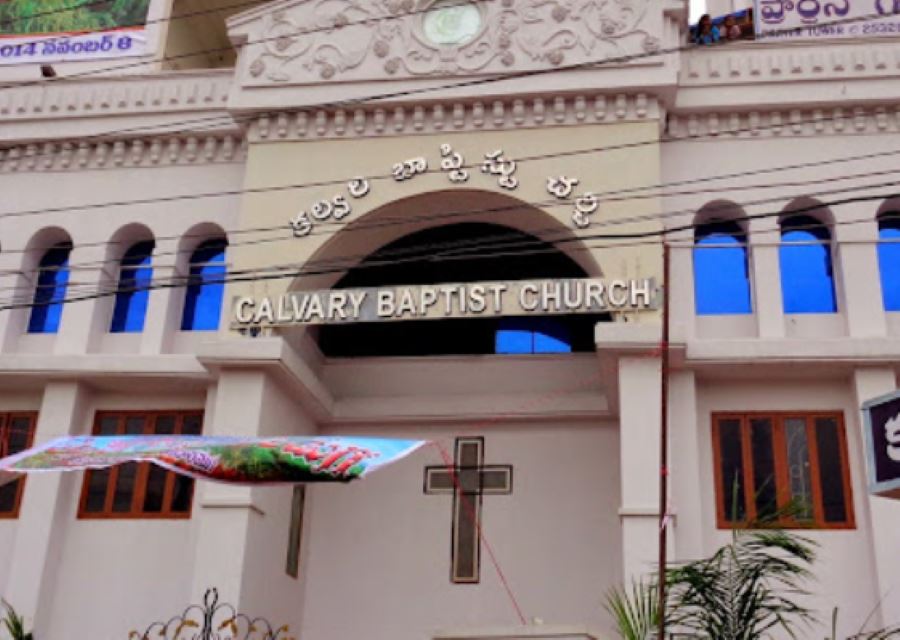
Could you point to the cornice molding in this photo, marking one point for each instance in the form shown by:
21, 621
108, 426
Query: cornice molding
137, 152
775, 123
128, 95
763, 62
450, 116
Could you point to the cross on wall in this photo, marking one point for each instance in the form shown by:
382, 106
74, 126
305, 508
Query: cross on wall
468, 480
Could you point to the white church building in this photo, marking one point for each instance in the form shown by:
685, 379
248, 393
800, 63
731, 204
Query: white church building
161, 186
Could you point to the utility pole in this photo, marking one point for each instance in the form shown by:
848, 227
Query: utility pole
664, 444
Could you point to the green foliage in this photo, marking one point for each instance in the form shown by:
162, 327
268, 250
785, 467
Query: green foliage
746, 589
63, 16
892, 633
14, 623
636, 614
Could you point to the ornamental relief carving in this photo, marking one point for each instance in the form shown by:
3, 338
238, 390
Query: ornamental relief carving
316, 40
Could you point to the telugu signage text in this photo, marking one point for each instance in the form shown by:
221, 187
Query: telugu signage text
820, 19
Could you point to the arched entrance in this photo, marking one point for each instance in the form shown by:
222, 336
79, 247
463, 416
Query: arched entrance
462, 252
455, 237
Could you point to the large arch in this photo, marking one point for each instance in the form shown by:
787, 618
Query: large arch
367, 234
447, 237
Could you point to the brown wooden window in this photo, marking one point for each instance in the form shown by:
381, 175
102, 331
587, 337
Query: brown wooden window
16, 434
139, 490
790, 469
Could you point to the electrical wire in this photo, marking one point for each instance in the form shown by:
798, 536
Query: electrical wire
519, 248
361, 225
226, 120
403, 221
180, 16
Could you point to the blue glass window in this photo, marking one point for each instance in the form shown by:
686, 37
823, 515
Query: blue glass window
53, 278
532, 335
133, 293
206, 286
889, 260
721, 277
807, 279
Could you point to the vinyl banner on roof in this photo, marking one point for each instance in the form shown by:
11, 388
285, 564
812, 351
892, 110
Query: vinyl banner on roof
224, 459
822, 19
42, 31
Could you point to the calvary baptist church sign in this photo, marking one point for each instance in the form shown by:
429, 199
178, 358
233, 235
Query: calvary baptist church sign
442, 301
882, 429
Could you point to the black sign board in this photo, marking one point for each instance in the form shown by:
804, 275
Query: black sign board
882, 428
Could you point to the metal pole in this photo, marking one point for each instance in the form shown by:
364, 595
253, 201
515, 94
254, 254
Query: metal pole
664, 443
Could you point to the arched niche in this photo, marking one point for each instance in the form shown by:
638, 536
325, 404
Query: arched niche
721, 266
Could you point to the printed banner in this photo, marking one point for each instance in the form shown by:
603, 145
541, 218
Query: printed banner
821, 19
223, 459
70, 30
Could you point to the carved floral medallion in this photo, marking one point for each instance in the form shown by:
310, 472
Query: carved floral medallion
315, 40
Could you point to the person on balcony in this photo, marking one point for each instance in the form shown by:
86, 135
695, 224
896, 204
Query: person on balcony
707, 32
730, 30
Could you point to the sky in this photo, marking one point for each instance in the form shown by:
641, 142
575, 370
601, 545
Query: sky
697, 9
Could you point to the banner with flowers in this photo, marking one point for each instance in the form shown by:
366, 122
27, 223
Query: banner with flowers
223, 459
42, 31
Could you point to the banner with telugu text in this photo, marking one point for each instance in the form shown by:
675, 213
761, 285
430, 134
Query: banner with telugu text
224, 459
826, 19
44, 31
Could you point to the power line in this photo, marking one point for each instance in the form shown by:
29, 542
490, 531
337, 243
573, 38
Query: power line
350, 23
171, 18
202, 52
224, 120
430, 171
621, 240
40, 14
400, 221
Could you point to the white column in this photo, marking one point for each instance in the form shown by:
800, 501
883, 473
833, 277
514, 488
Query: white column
83, 323
683, 307
859, 284
686, 477
639, 430
164, 305
224, 512
884, 514
13, 321
48, 507
766, 277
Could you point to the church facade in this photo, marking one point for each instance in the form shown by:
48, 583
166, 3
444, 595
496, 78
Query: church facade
446, 222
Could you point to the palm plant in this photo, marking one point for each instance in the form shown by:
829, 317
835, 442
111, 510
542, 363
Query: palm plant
746, 589
636, 614
14, 623
892, 633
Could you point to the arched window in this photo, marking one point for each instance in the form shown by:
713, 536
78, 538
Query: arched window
203, 297
721, 275
889, 259
532, 335
807, 279
133, 293
52, 280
